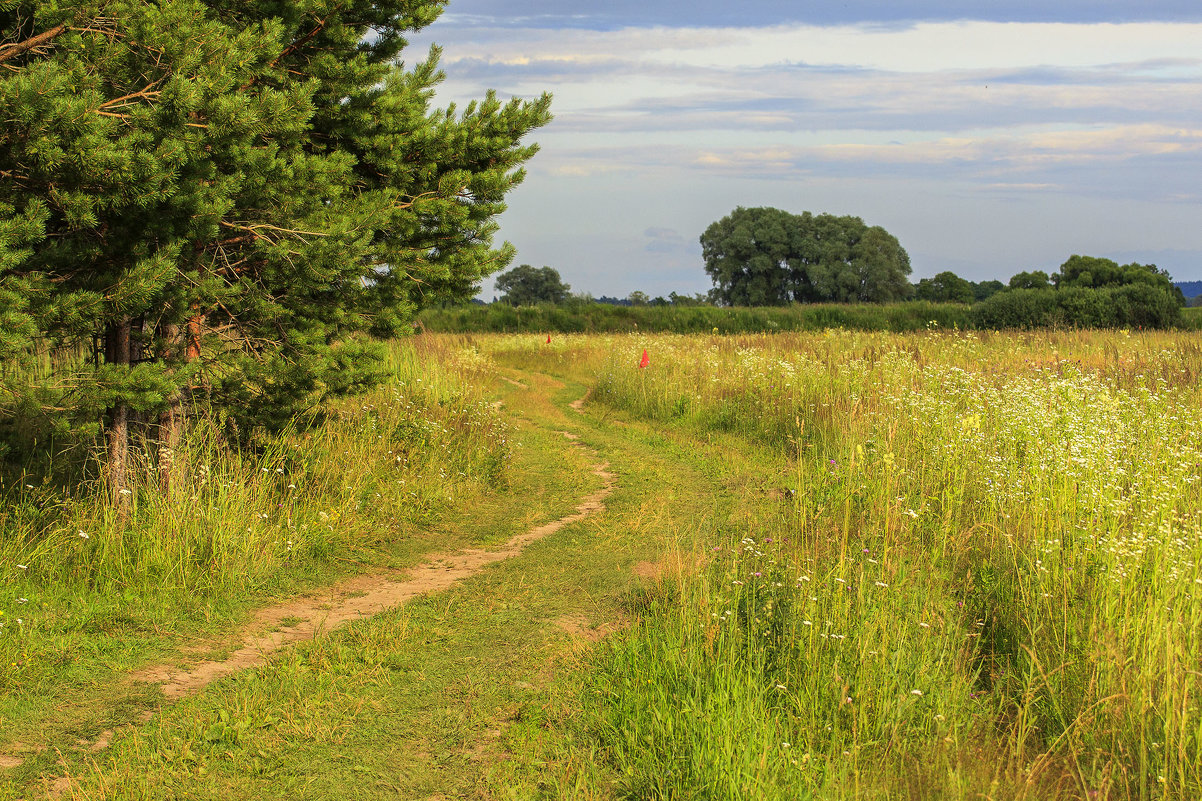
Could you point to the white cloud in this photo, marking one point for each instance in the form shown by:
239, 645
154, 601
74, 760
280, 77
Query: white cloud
1033, 140
986, 155
1028, 150
925, 47
1018, 187
796, 80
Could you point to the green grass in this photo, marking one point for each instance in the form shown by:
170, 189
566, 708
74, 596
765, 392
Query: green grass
454, 695
383, 481
836, 565
986, 585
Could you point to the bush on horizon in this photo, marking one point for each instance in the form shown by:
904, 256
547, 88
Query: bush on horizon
578, 317
1132, 306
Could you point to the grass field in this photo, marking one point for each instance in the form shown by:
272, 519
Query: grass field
83, 601
835, 565
983, 583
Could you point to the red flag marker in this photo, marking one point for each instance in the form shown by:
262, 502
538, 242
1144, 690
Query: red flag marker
645, 361
548, 339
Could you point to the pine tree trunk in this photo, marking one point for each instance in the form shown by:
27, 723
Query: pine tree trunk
171, 421
117, 352
194, 324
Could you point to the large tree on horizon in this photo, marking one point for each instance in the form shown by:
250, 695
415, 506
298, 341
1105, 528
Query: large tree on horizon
525, 286
223, 198
765, 257
945, 287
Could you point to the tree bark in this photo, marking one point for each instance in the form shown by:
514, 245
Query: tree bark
194, 323
117, 352
17, 48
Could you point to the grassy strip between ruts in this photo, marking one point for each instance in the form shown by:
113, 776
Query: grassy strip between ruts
77, 639
428, 700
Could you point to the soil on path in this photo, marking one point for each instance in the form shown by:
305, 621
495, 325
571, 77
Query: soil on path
276, 627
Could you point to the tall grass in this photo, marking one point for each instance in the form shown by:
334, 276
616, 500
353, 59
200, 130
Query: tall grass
987, 585
238, 519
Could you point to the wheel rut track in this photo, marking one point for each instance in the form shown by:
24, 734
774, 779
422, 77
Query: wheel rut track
354, 599
360, 597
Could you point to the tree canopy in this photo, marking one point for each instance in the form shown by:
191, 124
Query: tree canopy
1092, 272
1088, 292
945, 287
525, 286
766, 256
219, 198
986, 289
1034, 279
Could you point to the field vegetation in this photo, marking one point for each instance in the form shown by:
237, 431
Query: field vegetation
584, 317
983, 579
839, 564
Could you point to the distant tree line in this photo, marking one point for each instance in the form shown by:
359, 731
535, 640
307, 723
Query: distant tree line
1089, 292
769, 257
1192, 290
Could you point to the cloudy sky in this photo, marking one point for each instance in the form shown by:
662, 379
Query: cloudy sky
989, 137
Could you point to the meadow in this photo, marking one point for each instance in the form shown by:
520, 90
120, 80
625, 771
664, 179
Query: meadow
836, 564
983, 579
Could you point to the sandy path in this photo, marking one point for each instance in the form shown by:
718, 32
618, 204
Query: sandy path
353, 599
359, 597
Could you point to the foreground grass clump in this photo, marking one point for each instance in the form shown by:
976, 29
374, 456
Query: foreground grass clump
766, 678
240, 521
986, 581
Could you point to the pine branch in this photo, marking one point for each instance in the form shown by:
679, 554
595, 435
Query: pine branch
297, 45
122, 116
413, 200
201, 247
146, 94
15, 49
254, 230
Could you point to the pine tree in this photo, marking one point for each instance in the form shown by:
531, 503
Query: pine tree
108, 127
222, 202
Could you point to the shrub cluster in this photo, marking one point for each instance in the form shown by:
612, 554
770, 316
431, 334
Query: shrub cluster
606, 318
1130, 306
